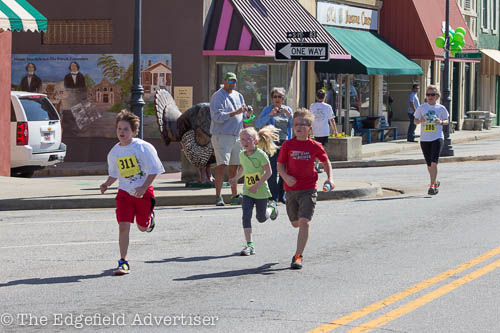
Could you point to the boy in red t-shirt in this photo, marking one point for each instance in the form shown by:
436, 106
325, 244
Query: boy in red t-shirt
296, 167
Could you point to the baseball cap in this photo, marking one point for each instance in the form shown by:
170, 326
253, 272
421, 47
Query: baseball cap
230, 76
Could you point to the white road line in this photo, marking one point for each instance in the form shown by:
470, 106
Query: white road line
167, 217
61, 244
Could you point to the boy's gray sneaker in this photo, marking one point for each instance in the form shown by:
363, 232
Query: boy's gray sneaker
247, 250
152, 223
274, 210
236, 200
219, 201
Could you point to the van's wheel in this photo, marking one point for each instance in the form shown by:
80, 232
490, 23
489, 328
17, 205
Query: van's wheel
24, 174
27, 174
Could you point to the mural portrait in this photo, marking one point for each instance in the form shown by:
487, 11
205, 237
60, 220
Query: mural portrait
89, 89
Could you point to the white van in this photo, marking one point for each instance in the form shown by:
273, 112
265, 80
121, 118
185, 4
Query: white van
35, 134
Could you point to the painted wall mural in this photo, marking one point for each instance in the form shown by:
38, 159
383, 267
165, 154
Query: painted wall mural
89, 89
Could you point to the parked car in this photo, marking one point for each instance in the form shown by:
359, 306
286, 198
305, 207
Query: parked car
35, 134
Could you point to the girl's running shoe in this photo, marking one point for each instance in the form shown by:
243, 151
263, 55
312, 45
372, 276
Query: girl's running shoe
247, 251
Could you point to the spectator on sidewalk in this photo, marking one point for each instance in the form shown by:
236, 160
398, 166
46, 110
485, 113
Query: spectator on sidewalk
136, 164
227, 110
413, 104
331, 98
323, 119
280, 116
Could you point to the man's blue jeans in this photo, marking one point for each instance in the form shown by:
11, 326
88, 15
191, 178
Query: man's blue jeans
276, 182
411, 128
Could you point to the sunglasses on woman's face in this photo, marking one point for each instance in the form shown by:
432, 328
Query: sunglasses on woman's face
429, 95
277, 96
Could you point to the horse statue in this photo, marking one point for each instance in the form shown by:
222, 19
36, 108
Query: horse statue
191, 129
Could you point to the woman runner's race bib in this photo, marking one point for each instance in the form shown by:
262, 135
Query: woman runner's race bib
252, 178
128, 166
430, 127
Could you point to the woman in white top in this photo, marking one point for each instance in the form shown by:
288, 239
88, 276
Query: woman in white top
432, 116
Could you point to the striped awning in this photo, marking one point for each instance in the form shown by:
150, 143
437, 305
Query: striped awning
253, 27
19, 15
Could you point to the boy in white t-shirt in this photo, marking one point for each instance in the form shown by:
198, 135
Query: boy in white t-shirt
323, 118
136, 164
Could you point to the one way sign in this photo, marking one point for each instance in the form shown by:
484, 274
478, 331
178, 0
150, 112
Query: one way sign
302, 51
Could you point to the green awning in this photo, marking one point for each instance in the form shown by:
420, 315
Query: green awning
19, 15
370, 55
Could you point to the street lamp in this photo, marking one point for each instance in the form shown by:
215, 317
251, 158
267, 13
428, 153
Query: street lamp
447, 148
136, 102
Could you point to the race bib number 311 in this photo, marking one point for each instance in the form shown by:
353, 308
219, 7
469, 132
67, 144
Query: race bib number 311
128, 166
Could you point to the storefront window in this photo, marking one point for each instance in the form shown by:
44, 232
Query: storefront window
255, 81
360, 93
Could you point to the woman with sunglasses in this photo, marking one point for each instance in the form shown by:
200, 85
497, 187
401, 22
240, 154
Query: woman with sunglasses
432, 116
280, 116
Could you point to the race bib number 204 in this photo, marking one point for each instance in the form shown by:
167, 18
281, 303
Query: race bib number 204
128, 166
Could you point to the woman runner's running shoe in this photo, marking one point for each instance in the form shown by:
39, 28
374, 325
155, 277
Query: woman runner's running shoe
123, 268
433, 190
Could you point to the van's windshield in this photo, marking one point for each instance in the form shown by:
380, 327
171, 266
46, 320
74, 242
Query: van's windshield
38, 108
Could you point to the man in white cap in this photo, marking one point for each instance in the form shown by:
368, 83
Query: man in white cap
227, 110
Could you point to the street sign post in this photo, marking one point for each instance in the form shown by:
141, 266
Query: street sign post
302, 34
302, 51
470, 55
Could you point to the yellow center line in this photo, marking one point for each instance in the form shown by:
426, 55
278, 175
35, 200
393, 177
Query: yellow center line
396, 313
398, 296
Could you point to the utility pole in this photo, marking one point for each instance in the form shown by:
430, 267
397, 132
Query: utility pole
447, 147
137, 102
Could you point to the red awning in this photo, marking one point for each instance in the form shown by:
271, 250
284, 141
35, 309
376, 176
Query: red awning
411, 26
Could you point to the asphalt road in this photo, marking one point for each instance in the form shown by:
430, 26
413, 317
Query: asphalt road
392, 264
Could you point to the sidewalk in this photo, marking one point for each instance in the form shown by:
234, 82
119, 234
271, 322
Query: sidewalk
76, 185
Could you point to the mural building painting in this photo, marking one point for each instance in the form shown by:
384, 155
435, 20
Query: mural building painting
88, 90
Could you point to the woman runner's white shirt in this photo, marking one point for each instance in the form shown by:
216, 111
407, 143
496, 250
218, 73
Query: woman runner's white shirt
430, 131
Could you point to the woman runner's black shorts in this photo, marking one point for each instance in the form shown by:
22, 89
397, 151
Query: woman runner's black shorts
431, 150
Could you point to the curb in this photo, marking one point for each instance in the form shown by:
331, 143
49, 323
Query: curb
416, 146
108, 201
411, 161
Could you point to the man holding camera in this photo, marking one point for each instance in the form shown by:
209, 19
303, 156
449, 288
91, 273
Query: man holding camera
227, 110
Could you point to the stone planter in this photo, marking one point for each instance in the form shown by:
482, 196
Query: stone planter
344, 149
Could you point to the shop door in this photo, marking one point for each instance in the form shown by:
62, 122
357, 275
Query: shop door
454, 101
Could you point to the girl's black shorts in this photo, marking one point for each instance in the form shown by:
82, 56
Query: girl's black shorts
431, 150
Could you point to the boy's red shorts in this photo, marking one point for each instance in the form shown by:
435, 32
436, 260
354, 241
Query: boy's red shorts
128, 207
